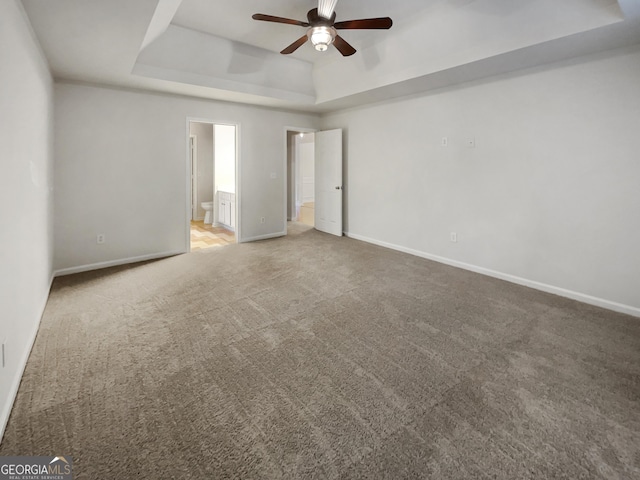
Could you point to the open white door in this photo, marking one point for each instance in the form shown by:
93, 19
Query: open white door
328, 179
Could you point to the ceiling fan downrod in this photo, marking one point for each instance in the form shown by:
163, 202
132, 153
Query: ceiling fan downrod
326, 8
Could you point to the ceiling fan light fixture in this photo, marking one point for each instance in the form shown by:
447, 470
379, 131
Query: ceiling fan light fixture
321, 37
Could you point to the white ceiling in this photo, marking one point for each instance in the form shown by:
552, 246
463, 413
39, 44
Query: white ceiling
214, 49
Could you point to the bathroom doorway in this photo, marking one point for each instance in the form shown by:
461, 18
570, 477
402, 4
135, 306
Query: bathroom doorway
213, 198
300, 176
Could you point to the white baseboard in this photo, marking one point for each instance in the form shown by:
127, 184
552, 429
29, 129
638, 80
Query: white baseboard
263, 237
13, 389
113, 263
581, 297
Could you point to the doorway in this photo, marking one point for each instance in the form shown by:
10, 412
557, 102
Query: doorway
213, 197
324, 200
301, 176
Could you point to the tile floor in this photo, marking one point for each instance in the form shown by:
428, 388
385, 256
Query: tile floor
207, 236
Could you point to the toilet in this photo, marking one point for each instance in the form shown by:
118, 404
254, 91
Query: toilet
208, 208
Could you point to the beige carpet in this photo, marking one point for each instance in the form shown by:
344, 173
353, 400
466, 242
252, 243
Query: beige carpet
319, 357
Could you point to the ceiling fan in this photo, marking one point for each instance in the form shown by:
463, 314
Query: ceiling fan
322, 28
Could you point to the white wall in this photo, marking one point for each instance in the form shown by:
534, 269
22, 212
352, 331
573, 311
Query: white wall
26, 240
549, 194
225, 156
121, 170
204, 135
306, 156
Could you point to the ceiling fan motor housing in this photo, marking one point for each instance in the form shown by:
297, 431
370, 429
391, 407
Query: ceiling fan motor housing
321, 31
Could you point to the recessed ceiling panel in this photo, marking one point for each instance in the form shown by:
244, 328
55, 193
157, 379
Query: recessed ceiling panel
233, 20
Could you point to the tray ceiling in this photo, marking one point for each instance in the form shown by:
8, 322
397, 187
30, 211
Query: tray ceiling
213, 49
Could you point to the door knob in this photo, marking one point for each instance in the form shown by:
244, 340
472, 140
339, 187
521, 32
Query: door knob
338, 187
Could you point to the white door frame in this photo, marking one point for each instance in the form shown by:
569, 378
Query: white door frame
193, 151
238, 228
286, 174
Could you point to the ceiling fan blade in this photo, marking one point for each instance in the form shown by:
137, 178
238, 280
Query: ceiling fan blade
271, 18
295, 45
343, 47
383, 23
326, 8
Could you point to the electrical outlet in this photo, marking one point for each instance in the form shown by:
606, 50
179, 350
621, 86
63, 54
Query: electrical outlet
262, 219
100, 239
454, 237
444, 142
